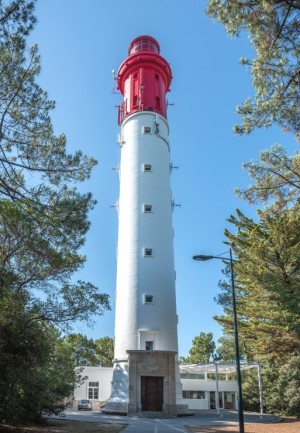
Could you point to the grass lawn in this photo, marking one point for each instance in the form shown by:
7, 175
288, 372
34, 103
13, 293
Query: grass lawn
65, 426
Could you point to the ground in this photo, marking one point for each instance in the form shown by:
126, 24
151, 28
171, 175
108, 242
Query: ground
287, 425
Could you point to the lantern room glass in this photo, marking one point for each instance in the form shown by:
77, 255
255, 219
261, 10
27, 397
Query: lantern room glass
144, 43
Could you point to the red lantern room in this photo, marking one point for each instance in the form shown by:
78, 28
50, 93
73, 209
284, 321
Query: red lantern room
144, 78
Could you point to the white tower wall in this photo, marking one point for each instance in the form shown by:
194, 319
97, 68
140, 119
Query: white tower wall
138, 321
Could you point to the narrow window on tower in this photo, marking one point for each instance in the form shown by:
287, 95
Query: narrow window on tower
147, 208
157, 91
147, 167
148, 299
135, 101
135, 93
148, 252
149, 345
147, 130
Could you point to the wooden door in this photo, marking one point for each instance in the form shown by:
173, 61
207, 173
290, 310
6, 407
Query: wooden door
152, 393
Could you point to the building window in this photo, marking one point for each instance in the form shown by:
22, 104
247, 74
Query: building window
199, 395
147, 130
147, 208
93, 390
148, 299
148, 252
196, 376
157, 101
147, 167
149, 345
200, 376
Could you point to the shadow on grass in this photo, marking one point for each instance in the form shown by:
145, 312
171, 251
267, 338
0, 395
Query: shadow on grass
65, 426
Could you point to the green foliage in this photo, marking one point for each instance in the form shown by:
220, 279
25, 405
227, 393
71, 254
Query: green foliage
43, 223
27, 142
203, 349
267, 277
36, 368
105, 351
289, 387
281, 387
226, 351
38, 259
274, 31
91, 352
250, 390
267, 274
267, 283
82, 349
276, 178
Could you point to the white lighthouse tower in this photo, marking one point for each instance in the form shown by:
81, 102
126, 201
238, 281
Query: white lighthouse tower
146, 373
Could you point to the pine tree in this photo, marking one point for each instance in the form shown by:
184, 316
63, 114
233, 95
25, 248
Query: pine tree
202, 350
274, 31
276, 178
43, 224
267, 284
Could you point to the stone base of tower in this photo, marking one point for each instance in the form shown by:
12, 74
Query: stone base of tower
145, 385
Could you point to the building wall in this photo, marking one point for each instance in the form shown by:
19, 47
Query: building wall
103, 375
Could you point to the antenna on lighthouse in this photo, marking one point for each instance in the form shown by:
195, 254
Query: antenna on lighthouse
170, 103
173, 167
114, 80
174, 204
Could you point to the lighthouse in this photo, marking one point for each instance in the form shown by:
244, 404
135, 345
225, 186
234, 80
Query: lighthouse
146, 372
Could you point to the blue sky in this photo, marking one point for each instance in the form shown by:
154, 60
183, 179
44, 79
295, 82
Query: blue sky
81, 42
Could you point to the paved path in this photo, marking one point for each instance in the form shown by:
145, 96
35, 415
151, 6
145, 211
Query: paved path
173, 425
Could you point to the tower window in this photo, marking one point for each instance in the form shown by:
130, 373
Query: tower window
147, 208
147, 167
148, 252
149, 345
135, 93
157, 101
148, 299
147, 129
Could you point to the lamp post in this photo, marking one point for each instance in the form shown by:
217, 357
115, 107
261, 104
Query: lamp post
203, 258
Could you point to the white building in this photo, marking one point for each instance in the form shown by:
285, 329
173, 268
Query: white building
199, 386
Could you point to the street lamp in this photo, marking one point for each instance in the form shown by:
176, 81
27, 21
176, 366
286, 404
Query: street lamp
203, 258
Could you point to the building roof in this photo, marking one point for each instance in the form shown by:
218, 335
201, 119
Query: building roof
211, 367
